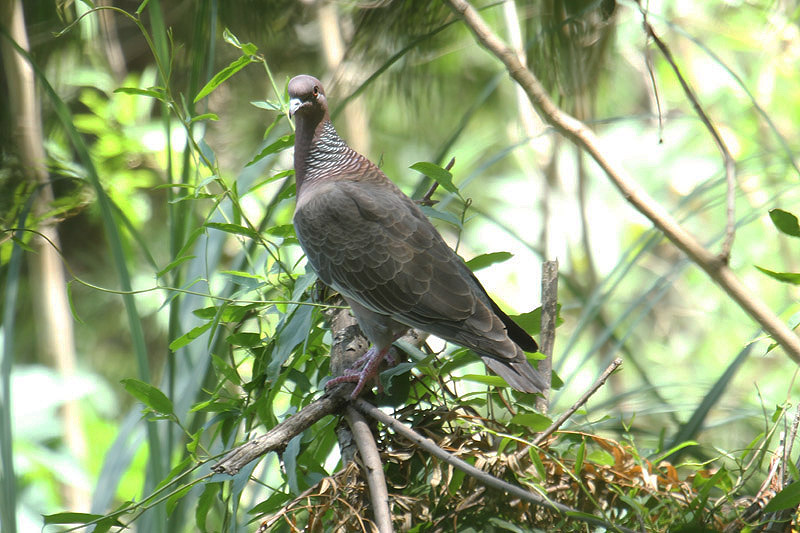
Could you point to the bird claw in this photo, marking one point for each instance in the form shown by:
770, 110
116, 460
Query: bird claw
363, 370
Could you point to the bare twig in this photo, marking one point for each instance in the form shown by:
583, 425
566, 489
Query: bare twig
547, 338
581, 135
787, 456
373, 469
577, 405
730, 163
648, 59
487, 479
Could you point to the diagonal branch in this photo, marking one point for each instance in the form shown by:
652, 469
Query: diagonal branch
580, 403
582, 136
276, 438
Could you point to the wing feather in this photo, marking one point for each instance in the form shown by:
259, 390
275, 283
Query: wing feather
370, 242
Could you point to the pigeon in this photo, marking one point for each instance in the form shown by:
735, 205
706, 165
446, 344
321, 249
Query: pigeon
373, 244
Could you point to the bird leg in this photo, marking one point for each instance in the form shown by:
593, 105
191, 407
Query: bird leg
362, 370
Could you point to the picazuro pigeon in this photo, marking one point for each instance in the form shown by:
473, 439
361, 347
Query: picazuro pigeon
372, 243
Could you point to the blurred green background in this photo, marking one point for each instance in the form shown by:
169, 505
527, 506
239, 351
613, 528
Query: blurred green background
177, 204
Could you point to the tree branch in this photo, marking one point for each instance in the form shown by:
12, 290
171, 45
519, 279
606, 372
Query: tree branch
372, 468
548, 329
277, 437
582, 136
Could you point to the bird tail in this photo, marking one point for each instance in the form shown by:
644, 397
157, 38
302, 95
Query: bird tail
517, 373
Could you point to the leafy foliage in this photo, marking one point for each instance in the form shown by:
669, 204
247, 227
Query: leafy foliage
176, 205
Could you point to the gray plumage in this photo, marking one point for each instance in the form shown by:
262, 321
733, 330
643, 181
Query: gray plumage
373, 244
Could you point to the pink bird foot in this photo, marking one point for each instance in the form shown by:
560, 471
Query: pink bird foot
361, 372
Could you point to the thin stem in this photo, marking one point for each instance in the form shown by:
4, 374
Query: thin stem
730, 163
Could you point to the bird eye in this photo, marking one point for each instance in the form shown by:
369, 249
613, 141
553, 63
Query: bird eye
316, 90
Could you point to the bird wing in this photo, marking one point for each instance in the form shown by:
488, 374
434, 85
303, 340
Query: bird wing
372, 243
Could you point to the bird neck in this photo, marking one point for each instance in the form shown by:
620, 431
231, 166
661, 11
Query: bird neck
318, 149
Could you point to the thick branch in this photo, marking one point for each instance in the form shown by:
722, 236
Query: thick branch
582, 136
373, 469
277, 437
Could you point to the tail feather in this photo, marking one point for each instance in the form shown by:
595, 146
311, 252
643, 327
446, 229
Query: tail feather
517, 373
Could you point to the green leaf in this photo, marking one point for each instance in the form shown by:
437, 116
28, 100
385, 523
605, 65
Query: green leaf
229, 312
785, 221
248, 340
438, 174
270, 179
495, 381
175, 498
153, 92
205, 313
231, 39
579, 457
243, 279
505, 525
148, 395
786, 277
484, 260
292, 331
788, 498
530, 321
533, 453
220, 77
249, 49
674, 449
450, 218
225, 368
233, 228
186, 338
204, 116
173, 264
601, 457
204, 503
72, 518
22, 244
176, 471
269, 105
282, 230
281, 144
190, 240
534, 421
277, 500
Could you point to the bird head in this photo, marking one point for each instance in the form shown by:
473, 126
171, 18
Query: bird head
306, 96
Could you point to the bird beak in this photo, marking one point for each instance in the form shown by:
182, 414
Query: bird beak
294, 105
